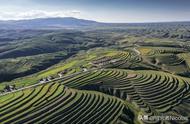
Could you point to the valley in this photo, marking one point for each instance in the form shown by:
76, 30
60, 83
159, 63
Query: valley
110, 74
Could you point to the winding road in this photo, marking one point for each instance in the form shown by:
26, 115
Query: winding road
55, 79
137, 51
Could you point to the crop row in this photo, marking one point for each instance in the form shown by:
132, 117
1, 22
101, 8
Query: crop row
55, 103
154, 92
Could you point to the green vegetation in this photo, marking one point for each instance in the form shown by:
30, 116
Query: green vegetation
55, 103
105, 75
22, 66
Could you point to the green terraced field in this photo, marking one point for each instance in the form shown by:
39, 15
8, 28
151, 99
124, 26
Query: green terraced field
56, 103
117, 87
171, 60
154, 92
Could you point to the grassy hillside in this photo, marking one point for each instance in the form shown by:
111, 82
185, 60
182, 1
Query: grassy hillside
105, 75
22, 66
21, 57
27, 44
147, 80
55, 103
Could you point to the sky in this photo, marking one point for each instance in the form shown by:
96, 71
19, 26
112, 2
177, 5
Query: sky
122, 11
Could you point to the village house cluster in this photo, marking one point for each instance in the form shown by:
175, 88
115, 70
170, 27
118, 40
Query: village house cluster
9, 88
60, 75
104, 61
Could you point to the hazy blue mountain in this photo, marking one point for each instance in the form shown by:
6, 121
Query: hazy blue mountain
67, 22
73, 23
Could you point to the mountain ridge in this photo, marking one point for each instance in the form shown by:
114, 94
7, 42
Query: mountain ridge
66, 22
71, 22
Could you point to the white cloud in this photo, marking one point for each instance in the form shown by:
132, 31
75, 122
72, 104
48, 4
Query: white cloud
37, 14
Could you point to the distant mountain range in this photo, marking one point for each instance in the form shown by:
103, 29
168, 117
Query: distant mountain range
70, 22
40, 23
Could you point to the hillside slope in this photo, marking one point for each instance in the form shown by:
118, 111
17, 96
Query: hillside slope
55, 103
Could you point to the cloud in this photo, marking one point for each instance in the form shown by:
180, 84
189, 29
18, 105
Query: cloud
37, 14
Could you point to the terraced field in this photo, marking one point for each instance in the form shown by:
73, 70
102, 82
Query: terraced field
171, 60
121, 86
155, 93
120, 60
149, 51
56, 103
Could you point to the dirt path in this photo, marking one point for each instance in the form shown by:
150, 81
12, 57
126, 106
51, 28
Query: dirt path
38, 84
137, 51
